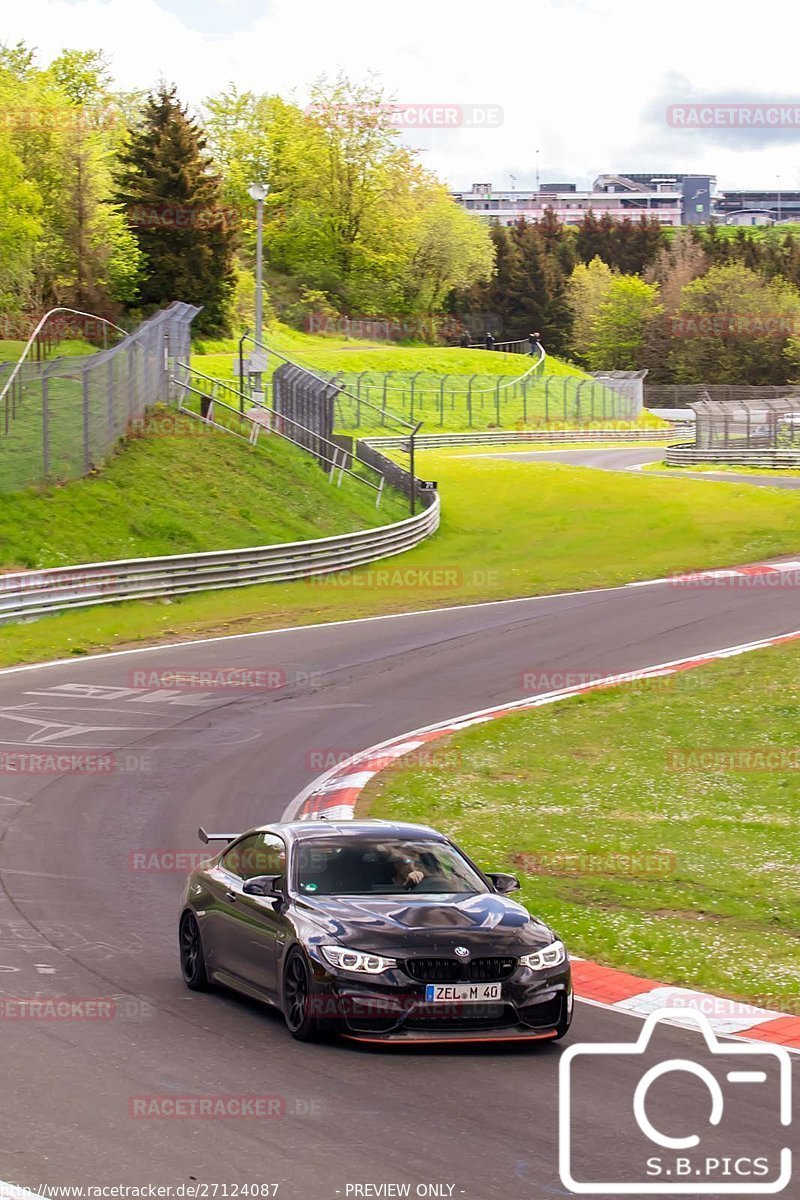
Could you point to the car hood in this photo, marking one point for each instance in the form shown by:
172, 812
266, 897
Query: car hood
433, 923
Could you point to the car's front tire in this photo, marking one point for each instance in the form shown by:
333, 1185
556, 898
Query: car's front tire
193, 963
297, 1000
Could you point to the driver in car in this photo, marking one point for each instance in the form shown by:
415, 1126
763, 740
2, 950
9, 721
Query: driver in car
408, 871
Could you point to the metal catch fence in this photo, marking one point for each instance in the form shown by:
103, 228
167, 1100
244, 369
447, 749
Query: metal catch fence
748, 424
60, 418
684, 395
372, 401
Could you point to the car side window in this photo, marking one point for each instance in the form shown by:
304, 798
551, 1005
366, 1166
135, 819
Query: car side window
267, 857
233, 859
261, 854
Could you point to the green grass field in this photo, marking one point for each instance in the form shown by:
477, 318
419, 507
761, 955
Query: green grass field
508, 529
446, 388
11, 349
332, 353
181, 488
638, 856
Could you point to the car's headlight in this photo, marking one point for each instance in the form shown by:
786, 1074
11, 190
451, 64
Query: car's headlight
549, 956
357, 960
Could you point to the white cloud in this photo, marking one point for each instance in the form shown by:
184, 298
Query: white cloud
584, 81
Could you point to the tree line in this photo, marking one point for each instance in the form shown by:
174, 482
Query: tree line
693, 304
117, 203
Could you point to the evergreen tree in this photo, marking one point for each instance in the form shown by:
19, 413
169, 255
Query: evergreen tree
559, 241
647, 241
589, 242
172, 197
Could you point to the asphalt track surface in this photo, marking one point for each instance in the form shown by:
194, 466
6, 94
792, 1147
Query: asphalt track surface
77, 920
632, 459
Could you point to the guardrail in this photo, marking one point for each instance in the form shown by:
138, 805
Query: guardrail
36, 593
688, 454
503, 437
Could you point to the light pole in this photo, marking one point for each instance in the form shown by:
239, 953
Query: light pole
258, 192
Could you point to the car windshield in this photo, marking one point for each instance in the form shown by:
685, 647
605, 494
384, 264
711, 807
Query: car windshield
383, 867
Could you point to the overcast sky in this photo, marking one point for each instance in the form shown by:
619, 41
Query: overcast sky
585, 82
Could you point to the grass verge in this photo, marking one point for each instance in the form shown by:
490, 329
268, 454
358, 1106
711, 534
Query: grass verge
640, 851
334, 353
179, 488
721, 469
508, 529
11, 349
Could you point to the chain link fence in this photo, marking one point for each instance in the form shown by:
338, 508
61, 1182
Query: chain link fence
749, 424
684, 395
60, 418
374, 400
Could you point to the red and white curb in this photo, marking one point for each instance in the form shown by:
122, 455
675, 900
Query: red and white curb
765, 575
335, 793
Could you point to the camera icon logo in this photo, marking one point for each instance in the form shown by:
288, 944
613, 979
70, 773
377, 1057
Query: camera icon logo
670, 1150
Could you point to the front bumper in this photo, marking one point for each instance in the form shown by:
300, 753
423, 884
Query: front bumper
533, 1006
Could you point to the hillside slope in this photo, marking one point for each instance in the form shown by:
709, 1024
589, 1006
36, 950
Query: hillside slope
181, 488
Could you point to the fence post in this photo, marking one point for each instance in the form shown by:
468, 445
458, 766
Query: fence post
129, 363
469, 400
441, 399
524, 387
358, 396
45, 431
497, 398
87, 458
383, 405
413, 384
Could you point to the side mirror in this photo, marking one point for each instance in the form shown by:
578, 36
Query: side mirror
264, 885
503, 882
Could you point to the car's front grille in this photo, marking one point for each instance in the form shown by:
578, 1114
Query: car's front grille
489, 970
434, 970
451, 970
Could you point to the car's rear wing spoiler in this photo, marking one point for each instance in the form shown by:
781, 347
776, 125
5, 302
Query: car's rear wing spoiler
215, 837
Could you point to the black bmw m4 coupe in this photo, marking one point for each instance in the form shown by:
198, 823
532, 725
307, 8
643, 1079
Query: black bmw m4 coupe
373, 931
